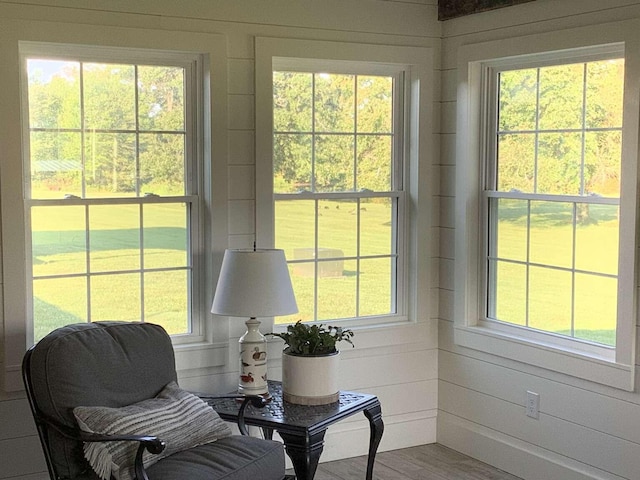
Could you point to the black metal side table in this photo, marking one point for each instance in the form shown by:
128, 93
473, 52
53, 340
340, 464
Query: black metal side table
303, 427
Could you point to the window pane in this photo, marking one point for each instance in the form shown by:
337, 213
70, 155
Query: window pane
376, 284
551, 235
162, 164
603, 156
559, 163
54, 94
510, 300
295, 228
597, 235
165, 300
292, 101
56, 164
166, 237
375, 104
110, 165
375, 157
334, 103
376, 226
561, 91
58, 240
58, 302
336, 290
605, 87
338, 228
595, 317
518, 92
511, 235
109, 96
115, 296
114, 238
161, 97
334, 163
292, 157
516, 162
550, 300
304, 285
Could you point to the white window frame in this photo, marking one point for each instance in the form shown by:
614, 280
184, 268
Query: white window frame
193, 91
564, 355
207, 345
414, 62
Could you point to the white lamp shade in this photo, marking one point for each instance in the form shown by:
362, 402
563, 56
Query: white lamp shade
254, 283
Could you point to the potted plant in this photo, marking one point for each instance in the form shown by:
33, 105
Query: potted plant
310, 362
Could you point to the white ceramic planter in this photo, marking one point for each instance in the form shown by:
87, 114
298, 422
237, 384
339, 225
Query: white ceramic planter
310, 380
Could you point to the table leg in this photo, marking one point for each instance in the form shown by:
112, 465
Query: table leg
267, 432
304, 452
374, 414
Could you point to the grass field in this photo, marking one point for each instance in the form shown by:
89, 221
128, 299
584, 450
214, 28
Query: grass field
116, 256
580, 304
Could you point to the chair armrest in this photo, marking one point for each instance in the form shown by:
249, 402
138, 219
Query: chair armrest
255, 400
147, 442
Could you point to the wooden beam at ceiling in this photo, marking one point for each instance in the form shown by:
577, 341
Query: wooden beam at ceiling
448, 9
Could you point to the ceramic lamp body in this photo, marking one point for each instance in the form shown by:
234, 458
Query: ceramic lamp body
310, 380
253, 361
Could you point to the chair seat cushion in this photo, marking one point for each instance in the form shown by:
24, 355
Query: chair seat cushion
230, 458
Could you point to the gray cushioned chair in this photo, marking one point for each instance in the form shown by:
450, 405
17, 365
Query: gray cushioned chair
114, 364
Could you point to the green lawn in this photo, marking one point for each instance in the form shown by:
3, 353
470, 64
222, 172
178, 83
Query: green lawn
60, 247
551, 289
114, 260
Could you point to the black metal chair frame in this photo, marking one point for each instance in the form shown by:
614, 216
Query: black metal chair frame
147, 442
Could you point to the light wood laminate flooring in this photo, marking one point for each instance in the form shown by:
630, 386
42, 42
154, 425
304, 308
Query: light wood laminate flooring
425, 462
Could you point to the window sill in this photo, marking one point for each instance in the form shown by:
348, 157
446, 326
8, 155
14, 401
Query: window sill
564, 360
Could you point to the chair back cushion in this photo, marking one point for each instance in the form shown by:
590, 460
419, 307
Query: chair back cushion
109, 364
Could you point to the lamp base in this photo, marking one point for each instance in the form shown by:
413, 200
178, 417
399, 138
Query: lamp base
253, 361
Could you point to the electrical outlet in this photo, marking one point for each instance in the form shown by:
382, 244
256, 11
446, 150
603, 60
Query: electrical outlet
533, 405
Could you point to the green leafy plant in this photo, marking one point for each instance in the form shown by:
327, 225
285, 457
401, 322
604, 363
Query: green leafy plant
305, 339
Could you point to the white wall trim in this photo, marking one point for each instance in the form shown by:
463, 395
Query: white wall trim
512, 455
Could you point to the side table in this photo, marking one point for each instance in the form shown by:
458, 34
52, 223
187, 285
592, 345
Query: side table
303, 427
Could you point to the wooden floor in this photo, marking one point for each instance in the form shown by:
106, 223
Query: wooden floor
426, 462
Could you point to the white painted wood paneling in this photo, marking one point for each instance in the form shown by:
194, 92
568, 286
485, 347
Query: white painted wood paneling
241, 147
398, 364
242, 182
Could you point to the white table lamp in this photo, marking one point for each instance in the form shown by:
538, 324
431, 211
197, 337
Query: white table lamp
254, 283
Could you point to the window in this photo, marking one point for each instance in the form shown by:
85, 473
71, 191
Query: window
338, 188
552, 198
549, 279
111, 189
343, 155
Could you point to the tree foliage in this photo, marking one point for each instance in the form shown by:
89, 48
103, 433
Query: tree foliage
332, 132
559, 129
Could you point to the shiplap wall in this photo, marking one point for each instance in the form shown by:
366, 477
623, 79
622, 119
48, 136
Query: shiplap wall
585, 431
399, 365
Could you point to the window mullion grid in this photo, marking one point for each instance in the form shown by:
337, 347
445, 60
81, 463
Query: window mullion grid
536, 137
136, 109
355, 188
87, 231
316, 202
87, 241
583, 139
490, 175
316, 267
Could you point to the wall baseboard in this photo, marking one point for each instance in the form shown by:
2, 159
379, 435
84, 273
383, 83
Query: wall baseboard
519, 458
